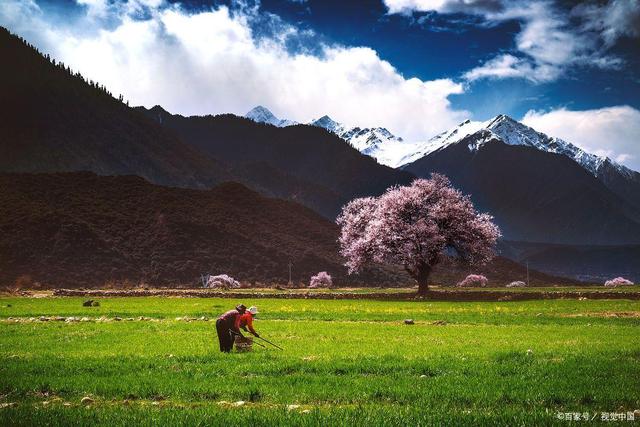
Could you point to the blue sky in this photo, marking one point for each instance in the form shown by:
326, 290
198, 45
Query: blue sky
429, 45
571, 69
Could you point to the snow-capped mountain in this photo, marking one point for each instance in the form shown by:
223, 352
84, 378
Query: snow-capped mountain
391, 150
512, 132
376, 142
261, 114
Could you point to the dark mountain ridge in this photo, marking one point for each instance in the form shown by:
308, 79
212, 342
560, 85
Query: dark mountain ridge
51, 120
305, 163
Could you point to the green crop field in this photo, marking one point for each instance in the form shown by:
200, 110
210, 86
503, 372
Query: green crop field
344, 363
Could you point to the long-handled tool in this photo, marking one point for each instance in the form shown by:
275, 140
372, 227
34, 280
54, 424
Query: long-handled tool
275, 345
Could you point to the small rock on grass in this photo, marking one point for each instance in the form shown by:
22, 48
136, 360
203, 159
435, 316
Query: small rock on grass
239, 403
86, 400
409, 322
292, 407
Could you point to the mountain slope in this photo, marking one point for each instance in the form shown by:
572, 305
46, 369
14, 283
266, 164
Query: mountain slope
535, 196
80, 229
307, 164
592, 264
52, 120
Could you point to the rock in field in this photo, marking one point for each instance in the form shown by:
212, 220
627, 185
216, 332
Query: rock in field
409, 322
86, 400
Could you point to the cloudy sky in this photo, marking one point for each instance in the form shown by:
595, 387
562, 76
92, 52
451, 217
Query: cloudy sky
571, 69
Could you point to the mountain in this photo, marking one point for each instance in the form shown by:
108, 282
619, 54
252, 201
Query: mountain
535, 195
80, 229
393, 151
261, 114
377, 142
619, 179
302, 163
52, 120
592, 264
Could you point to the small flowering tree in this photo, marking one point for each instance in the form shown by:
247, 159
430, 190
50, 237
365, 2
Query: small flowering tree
416, 226
222, 281
618, 281
474, 281
517, 284
321, 280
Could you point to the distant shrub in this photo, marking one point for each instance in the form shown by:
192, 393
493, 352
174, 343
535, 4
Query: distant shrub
222, 281
321, 280
517, 284
618, 281
474, 281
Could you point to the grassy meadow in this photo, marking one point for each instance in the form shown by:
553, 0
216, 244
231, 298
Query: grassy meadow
344, 363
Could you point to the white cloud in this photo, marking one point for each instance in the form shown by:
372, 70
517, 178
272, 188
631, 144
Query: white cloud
212, 61
548, 42
444, 6
610, 131
618, 18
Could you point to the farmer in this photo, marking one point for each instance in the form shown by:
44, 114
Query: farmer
227, 326
246, 320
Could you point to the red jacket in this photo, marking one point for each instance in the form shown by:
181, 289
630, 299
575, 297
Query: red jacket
246, 321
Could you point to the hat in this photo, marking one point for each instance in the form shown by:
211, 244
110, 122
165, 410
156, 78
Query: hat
253, 310
241, 307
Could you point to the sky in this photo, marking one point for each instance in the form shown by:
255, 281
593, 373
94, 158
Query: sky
570, 69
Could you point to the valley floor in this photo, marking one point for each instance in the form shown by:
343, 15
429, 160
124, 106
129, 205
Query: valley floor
344, 363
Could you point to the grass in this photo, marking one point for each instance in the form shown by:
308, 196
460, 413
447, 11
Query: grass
345, 362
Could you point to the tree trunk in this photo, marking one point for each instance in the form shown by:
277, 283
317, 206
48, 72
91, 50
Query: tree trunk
423, 280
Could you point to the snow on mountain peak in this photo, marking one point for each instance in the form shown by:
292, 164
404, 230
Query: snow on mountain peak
262, 114
393, 151
329, 124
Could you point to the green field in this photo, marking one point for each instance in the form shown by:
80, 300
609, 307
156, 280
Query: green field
345, 363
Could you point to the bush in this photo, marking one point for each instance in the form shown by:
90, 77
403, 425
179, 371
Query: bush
474, 281
321, 280
517, 284
618, 281
222, 281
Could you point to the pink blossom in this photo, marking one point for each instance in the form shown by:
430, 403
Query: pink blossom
321, 280
474, 281
222, 281
416, 226
618, 281
517, 284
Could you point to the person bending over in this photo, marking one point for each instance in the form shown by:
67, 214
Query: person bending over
227, 326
